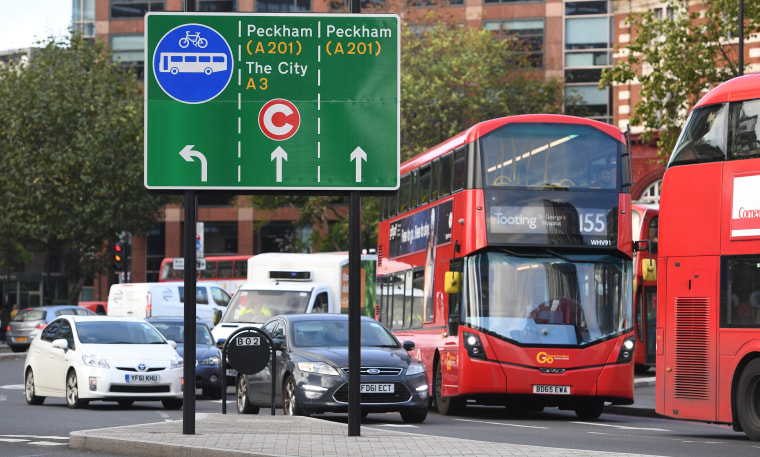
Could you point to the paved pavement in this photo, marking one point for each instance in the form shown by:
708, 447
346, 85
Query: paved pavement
236, 435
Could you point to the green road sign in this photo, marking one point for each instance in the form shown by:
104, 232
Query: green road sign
266, 102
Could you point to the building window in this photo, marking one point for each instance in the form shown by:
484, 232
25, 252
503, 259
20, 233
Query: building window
129, 50
83, 17
590, 101
587, 33
588, 50
213, 6
652, 192
265, 6
528, 32
581, 8
491, 2
135, 9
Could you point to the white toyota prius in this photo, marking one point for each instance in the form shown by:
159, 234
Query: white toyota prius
83, 358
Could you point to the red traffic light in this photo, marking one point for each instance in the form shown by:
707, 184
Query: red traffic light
119, 263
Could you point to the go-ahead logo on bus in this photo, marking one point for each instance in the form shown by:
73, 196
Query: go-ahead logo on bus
192, 63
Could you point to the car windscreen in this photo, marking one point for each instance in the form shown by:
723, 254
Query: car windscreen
118, 332
175, 331
318, 333
27, 315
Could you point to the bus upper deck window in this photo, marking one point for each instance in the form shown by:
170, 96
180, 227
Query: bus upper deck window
745, 131
704, 137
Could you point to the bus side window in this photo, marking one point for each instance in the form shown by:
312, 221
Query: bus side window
446, 175
435, 179
241, 269
425, 179
415, 189
460, 170
403, 194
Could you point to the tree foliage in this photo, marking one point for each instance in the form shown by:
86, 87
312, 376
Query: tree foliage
677, 59
71, 155
451, 78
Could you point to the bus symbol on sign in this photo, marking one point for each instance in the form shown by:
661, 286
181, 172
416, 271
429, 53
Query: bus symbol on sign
192, 63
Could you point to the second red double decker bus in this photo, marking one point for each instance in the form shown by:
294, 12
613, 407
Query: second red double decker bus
506, 255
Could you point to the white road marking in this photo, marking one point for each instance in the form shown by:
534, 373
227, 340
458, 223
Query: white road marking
506, 424
623, 427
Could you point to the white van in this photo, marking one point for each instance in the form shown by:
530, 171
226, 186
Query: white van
164, 299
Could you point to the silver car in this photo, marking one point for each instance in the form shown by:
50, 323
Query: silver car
30, 321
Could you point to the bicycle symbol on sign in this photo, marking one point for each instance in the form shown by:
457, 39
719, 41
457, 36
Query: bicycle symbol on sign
194, 38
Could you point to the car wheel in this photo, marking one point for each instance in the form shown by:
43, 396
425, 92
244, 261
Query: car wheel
241, 391
126, 403
31, 397
747, 400
289, 401
416, 416
172, 403
448, 406
72, 392
591, 409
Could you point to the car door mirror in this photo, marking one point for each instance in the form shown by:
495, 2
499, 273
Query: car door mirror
60, 344
409, 345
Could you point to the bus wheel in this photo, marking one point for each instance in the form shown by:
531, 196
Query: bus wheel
448, 406
590, 409
748, 400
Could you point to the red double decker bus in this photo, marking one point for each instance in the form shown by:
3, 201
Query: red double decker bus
506, 255
645, 228
708, 320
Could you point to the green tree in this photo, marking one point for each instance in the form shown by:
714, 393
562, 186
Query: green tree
451, 78
677, 59
71, 156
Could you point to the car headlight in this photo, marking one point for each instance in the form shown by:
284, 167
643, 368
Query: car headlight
415, 368
318, 368
177, 362
94, 361
210, 360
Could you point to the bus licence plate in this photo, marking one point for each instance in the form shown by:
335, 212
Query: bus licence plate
552, 390
143, 378
376, 388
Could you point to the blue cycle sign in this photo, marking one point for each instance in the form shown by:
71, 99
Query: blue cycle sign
272, 101
193, 63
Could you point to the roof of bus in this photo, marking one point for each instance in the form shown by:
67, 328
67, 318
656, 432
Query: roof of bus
739, 88
482, 128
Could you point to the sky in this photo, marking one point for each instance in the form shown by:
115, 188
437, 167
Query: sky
23, 22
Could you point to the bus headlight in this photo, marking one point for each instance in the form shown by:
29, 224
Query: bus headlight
626, 352
473, 345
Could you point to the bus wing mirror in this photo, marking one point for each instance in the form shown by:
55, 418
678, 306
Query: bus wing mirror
649, 270
641, 245
453, 282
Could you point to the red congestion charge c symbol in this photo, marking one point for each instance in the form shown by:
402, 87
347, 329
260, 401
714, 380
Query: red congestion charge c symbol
279, 119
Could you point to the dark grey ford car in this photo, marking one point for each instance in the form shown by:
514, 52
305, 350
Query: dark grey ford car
312, 370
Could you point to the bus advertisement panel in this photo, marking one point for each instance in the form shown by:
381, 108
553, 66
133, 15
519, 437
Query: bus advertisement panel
708, 269
506, 257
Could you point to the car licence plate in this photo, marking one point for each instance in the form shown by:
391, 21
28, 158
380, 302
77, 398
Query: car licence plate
376, 388
231, 372
553, 390
142, 377
21, 339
